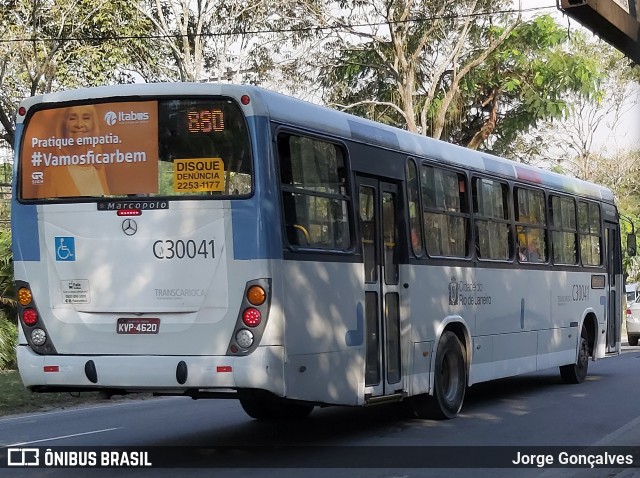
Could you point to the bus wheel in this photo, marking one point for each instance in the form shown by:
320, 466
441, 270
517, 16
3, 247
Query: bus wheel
577, 372
450, 382
263, 405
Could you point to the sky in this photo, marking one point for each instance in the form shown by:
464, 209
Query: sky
626, 135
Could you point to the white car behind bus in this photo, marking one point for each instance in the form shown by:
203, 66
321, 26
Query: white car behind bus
633, 292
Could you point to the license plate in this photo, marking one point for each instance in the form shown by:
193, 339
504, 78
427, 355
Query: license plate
138, 326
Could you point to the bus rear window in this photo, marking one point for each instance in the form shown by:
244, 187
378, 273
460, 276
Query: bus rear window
181, 147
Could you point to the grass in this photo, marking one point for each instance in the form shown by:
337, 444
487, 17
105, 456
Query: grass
15, 398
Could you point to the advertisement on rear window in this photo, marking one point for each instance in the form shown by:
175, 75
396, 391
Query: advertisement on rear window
91, 150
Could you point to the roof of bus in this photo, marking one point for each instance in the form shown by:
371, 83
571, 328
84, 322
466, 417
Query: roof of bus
286, 109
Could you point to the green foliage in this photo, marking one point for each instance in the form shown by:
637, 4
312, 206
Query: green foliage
521, 82
7, 289
527, 79
8, 317
413, 65
54, 45
627, 190
8, 344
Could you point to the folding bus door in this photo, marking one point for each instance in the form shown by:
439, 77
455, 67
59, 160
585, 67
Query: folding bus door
378, 216
613, 262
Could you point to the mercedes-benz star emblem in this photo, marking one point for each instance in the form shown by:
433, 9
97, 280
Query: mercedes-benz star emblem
129, 227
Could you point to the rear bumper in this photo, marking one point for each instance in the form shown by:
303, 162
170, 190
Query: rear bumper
633, 325
263, 369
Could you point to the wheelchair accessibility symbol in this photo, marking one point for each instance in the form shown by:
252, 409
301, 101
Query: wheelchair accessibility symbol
65, 249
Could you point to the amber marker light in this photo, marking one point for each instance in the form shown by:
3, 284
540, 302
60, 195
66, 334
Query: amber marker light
256, 295
24, 296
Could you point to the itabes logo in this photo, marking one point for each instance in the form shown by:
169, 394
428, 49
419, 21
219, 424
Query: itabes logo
110, 118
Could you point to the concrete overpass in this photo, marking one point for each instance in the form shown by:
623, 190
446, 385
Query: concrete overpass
615, 21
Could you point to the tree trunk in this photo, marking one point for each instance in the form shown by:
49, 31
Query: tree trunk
489, 125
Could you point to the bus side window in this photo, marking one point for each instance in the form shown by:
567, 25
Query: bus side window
288, 198
563, 230
590, 230
315, 199
491, 210
531, 223
413, 200
368, 230
445, 212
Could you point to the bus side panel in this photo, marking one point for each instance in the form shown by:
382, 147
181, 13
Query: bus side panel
421, 378
324, 331
511, 301
434, 293
557, 347
330, 377
511, 306
571, 298
24, 229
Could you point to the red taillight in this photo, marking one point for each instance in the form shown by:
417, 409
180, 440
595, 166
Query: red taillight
251, 317
628, 312
245, 100
30, 317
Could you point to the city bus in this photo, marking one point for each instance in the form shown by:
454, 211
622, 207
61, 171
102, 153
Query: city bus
225, 241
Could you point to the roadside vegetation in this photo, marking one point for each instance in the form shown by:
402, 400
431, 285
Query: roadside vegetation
8, 318
15, 398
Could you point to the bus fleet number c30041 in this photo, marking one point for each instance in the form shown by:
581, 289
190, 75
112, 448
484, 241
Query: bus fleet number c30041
180, 249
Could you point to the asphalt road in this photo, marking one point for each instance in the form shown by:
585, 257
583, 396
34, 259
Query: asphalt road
534, 410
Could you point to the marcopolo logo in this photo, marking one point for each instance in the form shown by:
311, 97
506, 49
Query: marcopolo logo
111, 117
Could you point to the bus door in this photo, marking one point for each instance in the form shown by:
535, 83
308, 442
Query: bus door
614, 278
378, 218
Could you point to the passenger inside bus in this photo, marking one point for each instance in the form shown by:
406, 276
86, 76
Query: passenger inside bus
529, 253
522, 253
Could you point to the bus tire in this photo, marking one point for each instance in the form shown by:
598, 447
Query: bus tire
633, 340
266, 406
577, 372
449, 384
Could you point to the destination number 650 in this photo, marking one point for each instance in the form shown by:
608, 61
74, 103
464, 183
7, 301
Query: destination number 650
170, 249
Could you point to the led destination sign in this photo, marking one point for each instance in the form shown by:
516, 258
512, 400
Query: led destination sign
205, 120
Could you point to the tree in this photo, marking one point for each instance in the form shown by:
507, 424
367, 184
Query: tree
51, 45
460, 71
403, 61
535, 75
217, 40
573, 141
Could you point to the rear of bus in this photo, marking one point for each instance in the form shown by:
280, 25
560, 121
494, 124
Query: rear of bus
135, 223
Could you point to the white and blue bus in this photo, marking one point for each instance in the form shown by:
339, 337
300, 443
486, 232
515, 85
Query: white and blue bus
224, 241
